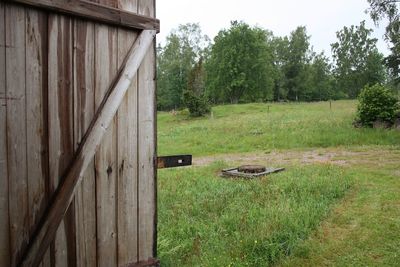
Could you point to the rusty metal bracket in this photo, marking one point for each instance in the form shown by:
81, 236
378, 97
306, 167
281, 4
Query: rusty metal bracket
174, 161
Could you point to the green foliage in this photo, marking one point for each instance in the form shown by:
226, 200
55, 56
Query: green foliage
298, 57
249, 64
356, 58
376, 103
196, 79
238, 66
183, 49
320, 83
280, 48
198, 105
389, 11
194, 96
300, 74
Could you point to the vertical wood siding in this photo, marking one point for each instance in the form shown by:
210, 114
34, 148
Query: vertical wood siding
147, 146
36, 116
85, 199
127, 154
16, 130
4, 226
61, 143
106, 156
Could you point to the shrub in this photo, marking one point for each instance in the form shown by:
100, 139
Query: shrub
194, 96
376, 103
198, 105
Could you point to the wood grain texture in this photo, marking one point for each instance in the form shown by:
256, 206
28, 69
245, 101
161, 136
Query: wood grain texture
147, 147
106, 156
36, 40
85, 198
104, 12
4, 226
93, 137
16, 130
61, 146
127, 155
36, 117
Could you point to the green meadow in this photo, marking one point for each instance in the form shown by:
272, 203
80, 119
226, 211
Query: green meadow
259, 127
336, 204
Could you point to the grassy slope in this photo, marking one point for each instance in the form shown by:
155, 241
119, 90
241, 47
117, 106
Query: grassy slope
208, 221
249, 127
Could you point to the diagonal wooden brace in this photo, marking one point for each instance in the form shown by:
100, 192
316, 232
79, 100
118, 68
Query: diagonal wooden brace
71, 179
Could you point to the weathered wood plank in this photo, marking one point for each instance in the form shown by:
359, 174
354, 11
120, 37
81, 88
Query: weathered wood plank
61, 146
16, 130
129, 5
147, 147
36, 117
93, 137
96, 12
127, 155
36, 129
106, 156
4, 226
85, 199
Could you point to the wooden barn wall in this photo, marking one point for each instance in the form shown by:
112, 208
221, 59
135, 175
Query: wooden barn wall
54, 73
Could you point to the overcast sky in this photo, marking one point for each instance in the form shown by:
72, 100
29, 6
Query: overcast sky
321, 17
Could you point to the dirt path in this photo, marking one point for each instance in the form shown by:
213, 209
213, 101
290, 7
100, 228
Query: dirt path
338, 156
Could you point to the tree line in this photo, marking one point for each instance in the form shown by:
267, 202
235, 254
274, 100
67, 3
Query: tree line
251, 64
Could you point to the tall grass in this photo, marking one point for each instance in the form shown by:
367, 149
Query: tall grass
206, 220
250, 127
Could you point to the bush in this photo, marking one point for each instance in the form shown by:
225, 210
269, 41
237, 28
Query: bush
376, 103
198, 105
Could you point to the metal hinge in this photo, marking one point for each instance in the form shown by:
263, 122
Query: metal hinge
174, 161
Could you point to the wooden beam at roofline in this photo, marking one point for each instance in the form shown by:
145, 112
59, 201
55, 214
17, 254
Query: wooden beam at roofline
50, 222
95, 12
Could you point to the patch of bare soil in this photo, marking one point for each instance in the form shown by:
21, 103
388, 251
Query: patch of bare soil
336, 156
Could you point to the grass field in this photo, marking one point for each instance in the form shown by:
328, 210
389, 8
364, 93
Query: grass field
250, 127
337, 204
